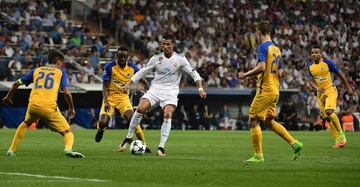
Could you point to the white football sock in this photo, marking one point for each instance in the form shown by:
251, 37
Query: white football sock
165, 131
135, 120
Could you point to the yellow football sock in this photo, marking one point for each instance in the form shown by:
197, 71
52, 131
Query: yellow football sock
335, 121
334, 133
256, 137
140, 133
68, 140
282, 132
19, 134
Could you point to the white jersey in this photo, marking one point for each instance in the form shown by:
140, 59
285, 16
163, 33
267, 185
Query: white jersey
168, 73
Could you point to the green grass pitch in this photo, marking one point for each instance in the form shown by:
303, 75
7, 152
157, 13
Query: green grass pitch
194, 158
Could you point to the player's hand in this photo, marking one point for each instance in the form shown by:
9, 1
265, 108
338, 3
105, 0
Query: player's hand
71, 113
106, 106
7, 101
241, 75
321, 90
202, 93
126, 88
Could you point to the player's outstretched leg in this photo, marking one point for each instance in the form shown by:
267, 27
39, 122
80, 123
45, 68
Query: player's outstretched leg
284, 134
19, 135
69, 141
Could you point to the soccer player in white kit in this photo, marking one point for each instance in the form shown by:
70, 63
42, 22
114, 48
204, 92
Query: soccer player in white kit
168, 67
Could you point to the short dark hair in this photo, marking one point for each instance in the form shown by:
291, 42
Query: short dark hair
169, 36
54, 56
264, 27
315, 46
122, 48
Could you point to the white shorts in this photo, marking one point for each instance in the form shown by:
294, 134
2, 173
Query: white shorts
160, 99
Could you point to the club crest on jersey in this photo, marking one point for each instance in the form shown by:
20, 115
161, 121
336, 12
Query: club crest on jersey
175, 65
322, 69
128, 75
161, 58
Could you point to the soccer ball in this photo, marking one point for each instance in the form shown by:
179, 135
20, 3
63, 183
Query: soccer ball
137, 147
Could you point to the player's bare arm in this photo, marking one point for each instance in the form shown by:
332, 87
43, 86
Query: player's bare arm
105, 92
7, 100
69, 102
344, 80
260, 67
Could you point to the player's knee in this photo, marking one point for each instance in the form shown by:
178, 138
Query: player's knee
128, 115
141, 110
65, 132
167, 115
253, 122
268, 123
329, 112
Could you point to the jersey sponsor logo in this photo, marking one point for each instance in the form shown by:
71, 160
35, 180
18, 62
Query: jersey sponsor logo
321, 79
118, 83
165, 72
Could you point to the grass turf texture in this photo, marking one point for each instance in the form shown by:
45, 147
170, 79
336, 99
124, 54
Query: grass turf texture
194, 158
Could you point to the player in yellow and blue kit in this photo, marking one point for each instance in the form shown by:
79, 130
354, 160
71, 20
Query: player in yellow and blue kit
319, 73
115, 99
263, 107
42, 102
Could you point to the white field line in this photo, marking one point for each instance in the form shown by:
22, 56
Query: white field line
38, 181
54, 177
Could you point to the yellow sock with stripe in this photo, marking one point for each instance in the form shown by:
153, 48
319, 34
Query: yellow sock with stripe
19, 135
68, 141
336, 122
140, 133
334, 133
282, 132
256, 136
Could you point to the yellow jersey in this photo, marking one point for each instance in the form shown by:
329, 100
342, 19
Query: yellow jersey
118, 77
47, 81
321, 73
268, 81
